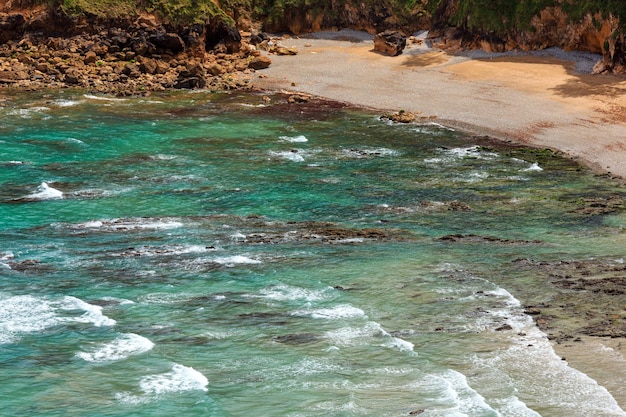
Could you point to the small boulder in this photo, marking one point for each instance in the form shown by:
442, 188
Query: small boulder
90, 58
390, 42
259, 62
168, 41
400, 117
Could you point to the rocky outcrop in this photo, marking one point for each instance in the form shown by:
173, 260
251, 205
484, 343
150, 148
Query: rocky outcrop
370, 16
121, 56
549, 27
390, 42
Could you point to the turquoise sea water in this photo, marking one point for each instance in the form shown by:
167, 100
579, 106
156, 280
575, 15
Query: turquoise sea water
203, 254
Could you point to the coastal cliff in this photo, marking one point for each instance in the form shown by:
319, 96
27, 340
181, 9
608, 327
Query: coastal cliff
130, 47
495, 26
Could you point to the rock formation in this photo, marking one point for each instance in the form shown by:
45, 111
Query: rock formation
390, 42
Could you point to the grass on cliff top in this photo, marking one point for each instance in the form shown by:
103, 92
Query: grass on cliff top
499, 16
100, 8
176, 11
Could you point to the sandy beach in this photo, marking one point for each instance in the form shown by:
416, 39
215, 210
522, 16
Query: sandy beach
545, 99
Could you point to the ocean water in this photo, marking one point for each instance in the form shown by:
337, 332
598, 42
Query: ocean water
206, 254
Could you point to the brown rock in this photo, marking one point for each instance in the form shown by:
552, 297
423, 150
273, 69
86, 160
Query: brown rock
43, 67
400, 117
282, 50
390, 42
161, 67
148, 66
72, 76
90, 58
26, 59
299, 98
168, 41
215, 69
259, 62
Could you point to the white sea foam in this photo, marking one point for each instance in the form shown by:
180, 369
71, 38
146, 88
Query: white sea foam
163, 157
129, 224
398, 343
291, 293
293, 155
92, 314
309, 366
121, 348
167, 250
66, 103
74, 140
294, 139
342, 311
45, 192
5, 256
538, 373
372, 333
452, 396
455, 154
238, 236
472, 177
471, 152
533, 167
28, 112
552, 384
96, 193
179, 378
236, 260
102, 98
24, 314
369, 152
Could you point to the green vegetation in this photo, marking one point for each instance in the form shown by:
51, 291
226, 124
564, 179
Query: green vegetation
497, 15
576, 10
488, 16
187, 11
505, 15
100, 8
177, 11
274, 12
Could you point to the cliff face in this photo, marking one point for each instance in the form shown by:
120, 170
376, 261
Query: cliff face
367, 15
570, 25
196, 22
494, 25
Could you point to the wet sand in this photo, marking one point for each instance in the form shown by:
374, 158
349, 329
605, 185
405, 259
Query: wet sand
545, 99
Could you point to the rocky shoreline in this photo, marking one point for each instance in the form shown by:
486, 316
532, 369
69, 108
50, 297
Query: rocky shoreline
136, 60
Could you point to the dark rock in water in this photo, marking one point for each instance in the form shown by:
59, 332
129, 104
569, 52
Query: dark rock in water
297, 338
390, 42
459, 238
400, 117
594, 206
29, 265
504, 327
458, 206
532, 311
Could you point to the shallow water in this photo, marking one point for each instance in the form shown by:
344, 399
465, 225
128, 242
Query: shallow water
210, 254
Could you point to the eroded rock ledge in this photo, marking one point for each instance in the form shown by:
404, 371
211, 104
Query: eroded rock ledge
123, 57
